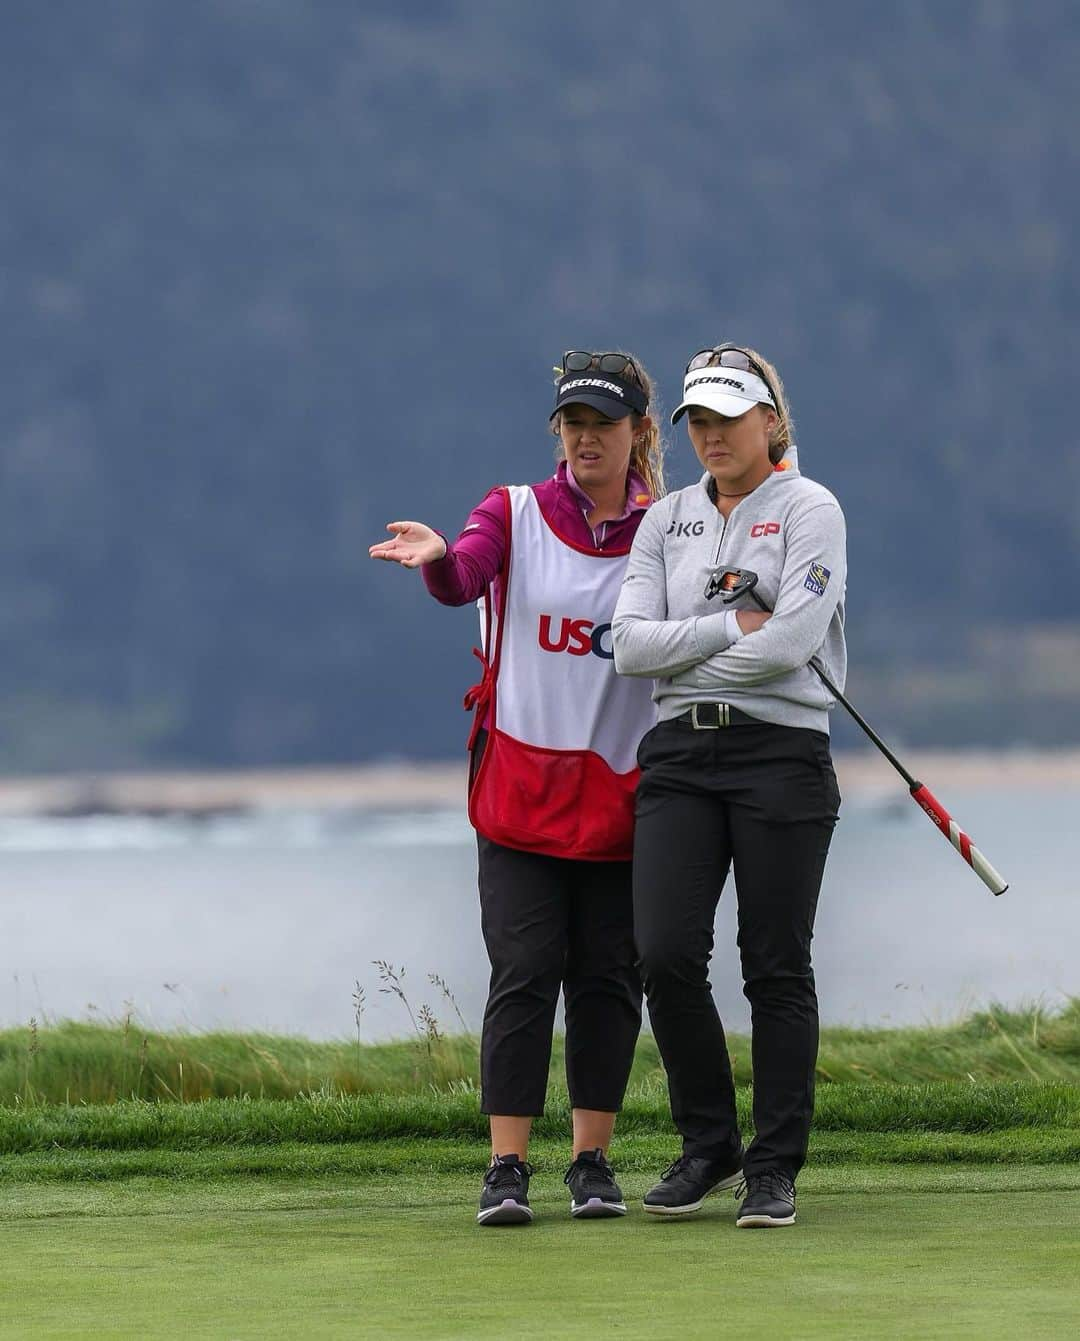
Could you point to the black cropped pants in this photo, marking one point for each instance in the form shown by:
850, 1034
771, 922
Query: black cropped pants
550, 922
764, 799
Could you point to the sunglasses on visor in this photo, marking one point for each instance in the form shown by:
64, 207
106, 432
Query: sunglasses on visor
726, 356
580, 360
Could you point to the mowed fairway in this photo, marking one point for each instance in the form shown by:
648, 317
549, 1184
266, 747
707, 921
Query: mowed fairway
235, 1186
899, 1251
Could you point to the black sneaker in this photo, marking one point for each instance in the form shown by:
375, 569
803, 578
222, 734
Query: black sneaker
504, 1199
593, 1189
685, 1185
769, 1201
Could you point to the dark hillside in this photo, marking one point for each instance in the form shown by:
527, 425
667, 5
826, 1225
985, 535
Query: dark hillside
274, 274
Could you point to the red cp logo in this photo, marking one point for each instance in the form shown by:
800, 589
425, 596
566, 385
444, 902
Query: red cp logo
764, 528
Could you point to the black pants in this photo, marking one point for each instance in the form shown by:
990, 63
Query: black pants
765, 798
550, 922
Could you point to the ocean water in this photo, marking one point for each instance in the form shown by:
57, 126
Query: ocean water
269, 921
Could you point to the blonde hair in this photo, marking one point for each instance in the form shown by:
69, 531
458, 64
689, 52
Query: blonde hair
647, 453
782, 434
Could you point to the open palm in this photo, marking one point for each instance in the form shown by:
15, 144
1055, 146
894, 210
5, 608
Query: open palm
412, 544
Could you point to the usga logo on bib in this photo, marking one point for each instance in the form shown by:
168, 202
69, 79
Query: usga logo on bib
576, 636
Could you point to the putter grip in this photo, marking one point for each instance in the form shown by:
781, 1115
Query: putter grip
959, 839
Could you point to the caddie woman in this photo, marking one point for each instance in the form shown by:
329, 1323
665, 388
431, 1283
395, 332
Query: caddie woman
553, 771
737, 772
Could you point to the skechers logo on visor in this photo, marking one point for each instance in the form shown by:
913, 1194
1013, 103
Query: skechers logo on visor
724, 381
597, 382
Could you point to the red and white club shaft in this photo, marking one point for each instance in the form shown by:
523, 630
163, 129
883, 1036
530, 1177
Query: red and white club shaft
925, 799
959, 839
920, 793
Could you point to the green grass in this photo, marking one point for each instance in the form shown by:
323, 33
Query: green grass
139, 1124
643, 1156
77, 1062
72, 1062
267, 1187
361, 1136
880, 1253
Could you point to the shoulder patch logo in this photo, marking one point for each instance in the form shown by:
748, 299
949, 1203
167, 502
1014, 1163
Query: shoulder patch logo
817, 578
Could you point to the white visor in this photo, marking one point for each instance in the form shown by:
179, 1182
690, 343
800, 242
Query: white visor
728, 391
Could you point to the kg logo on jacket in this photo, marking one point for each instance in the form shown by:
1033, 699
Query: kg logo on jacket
686, 528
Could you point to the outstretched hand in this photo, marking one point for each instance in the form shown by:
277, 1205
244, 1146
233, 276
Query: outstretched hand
412, 544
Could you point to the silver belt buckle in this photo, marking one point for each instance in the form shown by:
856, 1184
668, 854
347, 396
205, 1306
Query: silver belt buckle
723, 717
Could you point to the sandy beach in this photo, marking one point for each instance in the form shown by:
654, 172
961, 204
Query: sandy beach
399, 786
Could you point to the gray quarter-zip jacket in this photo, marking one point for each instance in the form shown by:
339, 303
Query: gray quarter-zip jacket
790, 531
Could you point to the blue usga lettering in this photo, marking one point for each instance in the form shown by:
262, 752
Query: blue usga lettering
687, 528
599, 650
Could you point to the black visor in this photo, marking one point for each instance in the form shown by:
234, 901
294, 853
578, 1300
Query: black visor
612, 396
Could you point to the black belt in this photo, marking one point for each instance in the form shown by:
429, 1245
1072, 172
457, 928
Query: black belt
712, 716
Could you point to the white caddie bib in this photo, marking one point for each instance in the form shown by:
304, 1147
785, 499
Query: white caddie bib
559, 769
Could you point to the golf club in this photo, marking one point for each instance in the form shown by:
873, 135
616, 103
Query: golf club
731, 583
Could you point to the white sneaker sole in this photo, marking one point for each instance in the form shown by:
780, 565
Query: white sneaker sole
596, 1209
732, 1180
510, 1212
763, 1221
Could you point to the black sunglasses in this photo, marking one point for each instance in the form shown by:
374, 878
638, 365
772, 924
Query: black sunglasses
727, 356
580, 360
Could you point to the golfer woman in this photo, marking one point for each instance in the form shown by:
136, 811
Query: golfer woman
736, 772
553, 771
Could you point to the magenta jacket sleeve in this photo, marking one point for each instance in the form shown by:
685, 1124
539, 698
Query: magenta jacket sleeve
473, 561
